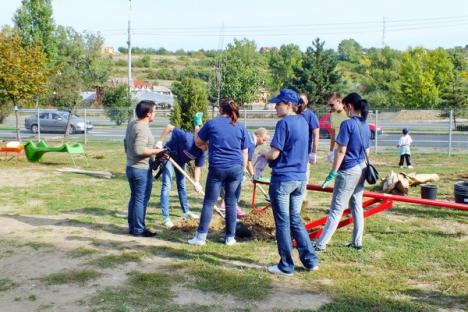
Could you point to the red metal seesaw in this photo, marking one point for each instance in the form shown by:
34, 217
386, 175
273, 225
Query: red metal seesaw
378, 202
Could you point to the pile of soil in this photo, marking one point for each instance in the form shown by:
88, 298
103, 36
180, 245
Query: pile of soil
191, 225
255, 225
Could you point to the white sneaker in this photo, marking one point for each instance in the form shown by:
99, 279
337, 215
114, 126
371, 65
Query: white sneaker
168, 223
410, 167
230, 241
275, 270
315, 268
190, 215
196, 241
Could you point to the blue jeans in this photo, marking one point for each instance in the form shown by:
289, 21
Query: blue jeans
166, 178
348, 190
286, 200
229, 178
141, 182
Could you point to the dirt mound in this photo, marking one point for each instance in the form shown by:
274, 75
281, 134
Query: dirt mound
255, 225
190, 225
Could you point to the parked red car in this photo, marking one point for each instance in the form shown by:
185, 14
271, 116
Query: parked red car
325, 128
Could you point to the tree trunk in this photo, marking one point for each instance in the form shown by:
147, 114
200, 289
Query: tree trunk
67, 127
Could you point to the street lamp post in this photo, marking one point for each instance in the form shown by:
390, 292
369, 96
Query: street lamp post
129, 43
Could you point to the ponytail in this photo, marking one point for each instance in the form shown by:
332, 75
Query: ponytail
364, 110
359, 104
230, 108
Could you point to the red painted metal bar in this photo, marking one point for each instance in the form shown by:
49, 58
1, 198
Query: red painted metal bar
412, 200
383, 201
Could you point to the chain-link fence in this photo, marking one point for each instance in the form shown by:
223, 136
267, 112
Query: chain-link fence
431, 130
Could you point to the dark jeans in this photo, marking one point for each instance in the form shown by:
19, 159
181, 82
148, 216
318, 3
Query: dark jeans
402, 159
141, 182
229, 179
286, 201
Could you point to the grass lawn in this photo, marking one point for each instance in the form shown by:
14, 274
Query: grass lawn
64, 246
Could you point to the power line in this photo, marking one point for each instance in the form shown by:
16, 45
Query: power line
343, 25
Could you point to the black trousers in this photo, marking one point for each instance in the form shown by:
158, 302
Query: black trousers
402, 159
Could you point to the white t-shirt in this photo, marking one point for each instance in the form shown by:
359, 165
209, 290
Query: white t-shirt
405, 142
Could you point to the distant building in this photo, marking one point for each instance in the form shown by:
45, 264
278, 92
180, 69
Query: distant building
108, 51
162, 101
163, 90
136, 84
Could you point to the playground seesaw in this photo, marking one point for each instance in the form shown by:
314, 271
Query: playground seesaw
376, 203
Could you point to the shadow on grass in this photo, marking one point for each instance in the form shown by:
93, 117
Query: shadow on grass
373, 303
439, 299
216, 256
111, 228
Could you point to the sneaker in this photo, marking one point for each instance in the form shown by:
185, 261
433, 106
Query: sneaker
273, 269
240, 212
168, 223
351, 245
190, 215
230, 241
401, 167
146, 233
410, 167
312, 269
198, 239
222, 207
317, 249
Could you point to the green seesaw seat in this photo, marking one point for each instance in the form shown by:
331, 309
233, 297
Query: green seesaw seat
34, 152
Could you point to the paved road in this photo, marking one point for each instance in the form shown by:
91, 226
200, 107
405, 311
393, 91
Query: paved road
438, 141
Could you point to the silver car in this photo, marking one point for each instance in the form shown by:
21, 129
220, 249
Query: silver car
56, 122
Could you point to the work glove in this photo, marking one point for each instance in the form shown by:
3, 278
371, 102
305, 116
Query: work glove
312, 158
330, 157
159, 145
198, 187
197, 119
331, 176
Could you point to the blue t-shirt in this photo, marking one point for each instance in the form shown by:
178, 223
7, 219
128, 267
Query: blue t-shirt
289, 138
251, 147
313, 123
183, 148
225, 141
350, 136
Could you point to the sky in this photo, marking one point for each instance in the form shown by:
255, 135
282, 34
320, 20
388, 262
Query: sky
212, 24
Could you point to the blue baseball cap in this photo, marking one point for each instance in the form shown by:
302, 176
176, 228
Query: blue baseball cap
286, 95
405, 130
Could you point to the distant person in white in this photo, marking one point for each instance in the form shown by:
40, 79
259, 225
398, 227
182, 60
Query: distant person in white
405, 151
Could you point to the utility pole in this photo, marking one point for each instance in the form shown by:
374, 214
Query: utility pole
129, 43
219, 67
383, 32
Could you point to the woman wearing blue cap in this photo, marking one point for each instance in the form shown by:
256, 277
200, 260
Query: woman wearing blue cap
227, 142
348, 168
288, 160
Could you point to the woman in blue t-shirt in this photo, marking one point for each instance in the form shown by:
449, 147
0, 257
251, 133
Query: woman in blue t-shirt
227, 142
348, 169
288, 160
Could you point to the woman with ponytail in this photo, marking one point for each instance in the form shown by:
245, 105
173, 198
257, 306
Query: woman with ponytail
348, 168
227, 142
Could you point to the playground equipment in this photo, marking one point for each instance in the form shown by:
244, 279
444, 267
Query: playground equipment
378, 202
34, 152
12, 147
